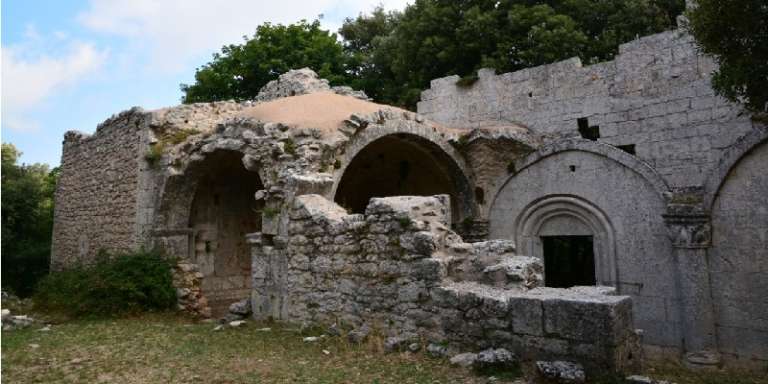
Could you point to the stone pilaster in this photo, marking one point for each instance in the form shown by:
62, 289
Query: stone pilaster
691, 234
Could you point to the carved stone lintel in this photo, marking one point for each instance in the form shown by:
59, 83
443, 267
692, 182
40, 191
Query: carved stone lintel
689, 231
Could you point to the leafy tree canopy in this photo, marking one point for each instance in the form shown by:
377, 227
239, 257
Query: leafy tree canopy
736, 33
27, 210
240, 70
392, 56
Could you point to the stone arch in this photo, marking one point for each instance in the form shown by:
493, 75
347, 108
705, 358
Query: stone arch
730, 159
583, 186
572, 216
203, 218
573, 144
737, 196
403, 143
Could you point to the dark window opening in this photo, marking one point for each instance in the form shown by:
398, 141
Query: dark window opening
572, 168
568, 261
479, 195
586, 131
629, 148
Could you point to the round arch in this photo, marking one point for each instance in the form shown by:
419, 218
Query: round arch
730, 159
569, 215
403, 159
207, 211
574, 144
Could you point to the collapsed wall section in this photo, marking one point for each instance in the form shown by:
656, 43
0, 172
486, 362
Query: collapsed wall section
398, 270
97, 190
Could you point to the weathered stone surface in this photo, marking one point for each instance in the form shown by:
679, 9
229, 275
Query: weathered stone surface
242, 307
495, 358
561, 371
466, 359
671, 195
437, 350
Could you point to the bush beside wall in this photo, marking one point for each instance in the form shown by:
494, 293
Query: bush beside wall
115, 284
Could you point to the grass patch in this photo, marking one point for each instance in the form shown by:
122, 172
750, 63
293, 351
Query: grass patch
674, 372
171, 138
166, 348
155, 153
158, 348
114, 285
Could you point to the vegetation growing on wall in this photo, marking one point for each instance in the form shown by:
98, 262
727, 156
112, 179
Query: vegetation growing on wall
27, 210
736, 33
392, 56
113, 285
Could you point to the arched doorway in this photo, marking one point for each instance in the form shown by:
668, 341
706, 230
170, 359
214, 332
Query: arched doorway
400, 165
223, 211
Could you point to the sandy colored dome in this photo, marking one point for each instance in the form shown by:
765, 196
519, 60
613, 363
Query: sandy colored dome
325, 111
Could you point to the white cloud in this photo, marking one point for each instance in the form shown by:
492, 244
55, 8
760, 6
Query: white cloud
176, 31
31, 75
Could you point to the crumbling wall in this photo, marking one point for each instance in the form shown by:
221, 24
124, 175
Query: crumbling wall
97, 191
655, 95
399, 270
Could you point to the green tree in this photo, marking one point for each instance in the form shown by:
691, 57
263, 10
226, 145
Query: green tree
240, 70
735, 32
27, 210
392, 56
435, 38
368, 58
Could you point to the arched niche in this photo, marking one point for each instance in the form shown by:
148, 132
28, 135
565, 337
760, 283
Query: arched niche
210, 208
568, 216
400, 164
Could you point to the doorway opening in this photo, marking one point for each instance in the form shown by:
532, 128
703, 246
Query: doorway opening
568, 261
223, 211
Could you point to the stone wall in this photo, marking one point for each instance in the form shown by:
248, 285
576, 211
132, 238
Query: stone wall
739, 258
689, 253
599, 197
96, 194
399, 271
655, 95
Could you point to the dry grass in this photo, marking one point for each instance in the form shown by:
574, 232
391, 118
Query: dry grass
170, 349
164, 348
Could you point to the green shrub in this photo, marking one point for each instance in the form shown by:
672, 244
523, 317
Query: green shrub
114, 285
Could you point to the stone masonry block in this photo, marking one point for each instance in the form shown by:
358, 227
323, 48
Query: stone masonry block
527, 316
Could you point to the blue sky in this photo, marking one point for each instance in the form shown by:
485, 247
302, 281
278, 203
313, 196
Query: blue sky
68, 65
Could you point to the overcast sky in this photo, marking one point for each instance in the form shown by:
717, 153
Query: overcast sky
70, 64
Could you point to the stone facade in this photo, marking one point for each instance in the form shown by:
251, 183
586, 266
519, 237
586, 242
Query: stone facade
641, 154
652, 182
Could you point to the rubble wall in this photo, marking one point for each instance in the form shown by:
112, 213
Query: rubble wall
399, 271
655, 95
97, 191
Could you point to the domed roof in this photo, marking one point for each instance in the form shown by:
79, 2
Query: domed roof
325, 111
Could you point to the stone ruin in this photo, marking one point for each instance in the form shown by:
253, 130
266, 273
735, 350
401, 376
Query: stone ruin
591, 214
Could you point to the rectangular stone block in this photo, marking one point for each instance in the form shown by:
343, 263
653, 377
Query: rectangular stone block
527, 316
604, 321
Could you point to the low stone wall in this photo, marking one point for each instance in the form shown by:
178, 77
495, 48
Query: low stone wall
399, 271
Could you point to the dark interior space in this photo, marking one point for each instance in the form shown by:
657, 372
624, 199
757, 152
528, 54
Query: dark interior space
568, 261
397, 165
